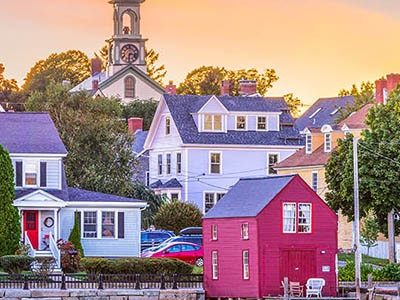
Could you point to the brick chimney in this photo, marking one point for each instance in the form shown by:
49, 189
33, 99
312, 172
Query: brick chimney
380, 90
170, 88
392, 81
134, 125
226, 88
96, 66
247, 87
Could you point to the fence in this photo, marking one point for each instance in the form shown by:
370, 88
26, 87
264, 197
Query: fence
381, 250
101, 281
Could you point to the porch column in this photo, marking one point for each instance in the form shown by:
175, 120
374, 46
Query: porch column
55, 224
21, 222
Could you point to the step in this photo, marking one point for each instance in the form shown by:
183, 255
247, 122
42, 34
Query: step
43, 253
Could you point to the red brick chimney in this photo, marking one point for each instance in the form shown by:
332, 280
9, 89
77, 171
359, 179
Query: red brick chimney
226, 88
96, 66
392, 81
170, 88
134, 125
247, 87
380, 90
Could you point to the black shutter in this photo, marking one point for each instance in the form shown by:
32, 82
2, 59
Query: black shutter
18, 173
121, 225
43, 174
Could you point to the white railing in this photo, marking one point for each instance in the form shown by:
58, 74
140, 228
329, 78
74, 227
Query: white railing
27, 242
54, 250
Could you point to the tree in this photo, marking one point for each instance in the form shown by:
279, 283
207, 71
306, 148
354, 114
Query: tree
294, 104
369, 232
72, 66
75, 235
9, 89
144, 109
99, 146
207, 80
176, 215
10, 232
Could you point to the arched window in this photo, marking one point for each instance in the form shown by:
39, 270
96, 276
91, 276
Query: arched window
129, 87
128, 21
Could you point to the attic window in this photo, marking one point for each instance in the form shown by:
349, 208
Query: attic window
212, 122
335, 111
315, 113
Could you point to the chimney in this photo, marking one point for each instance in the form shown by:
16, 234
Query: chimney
96, 66
247, 87
380, 91
226, 88
392, 81
95, 85
134, 125
171, 88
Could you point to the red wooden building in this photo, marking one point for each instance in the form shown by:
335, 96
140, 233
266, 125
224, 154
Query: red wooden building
265, 229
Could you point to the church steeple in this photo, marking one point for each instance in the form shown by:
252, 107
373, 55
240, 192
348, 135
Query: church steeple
126, 45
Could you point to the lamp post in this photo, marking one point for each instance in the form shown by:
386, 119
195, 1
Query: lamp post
357, 249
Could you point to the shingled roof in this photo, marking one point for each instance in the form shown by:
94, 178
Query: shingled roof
301, 159
30, 133
183, 106
249, 196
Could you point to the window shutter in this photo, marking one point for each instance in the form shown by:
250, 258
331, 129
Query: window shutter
18, 172
43, 174
121, 225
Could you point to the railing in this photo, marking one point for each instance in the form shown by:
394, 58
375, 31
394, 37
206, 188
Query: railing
27, 242
54, 250
101, 281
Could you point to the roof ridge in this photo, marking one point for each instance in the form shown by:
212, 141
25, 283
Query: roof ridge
267, 177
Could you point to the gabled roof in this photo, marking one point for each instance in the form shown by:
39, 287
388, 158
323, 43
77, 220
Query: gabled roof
356, 120
30, 133
170, 184
302, 159
323, 111
138, 143
249, 196
182, 108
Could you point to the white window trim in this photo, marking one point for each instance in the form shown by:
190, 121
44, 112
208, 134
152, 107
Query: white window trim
158, 164
214, 232
203, 122
214, 266
298, 212
245, 237
326, 148
215, 198
166, 119
220, 163
279, 159
283, 217
308, 139
24, 163
166, 163
246, 275
83, 227
99, 214
314, 173
245, 125
266, 123
176, 163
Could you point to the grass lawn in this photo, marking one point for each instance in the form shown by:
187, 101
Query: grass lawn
197, 270
365, 259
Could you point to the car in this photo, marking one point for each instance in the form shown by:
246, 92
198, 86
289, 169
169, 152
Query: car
187, 252
196, 239
151, 238
191, 231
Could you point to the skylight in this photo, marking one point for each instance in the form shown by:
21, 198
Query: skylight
315, 113
335, 111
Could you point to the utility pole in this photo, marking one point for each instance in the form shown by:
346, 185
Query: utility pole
391, 235
357, 249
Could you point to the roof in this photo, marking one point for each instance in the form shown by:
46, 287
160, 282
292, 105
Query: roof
138, 143
301, 159
356, 120
249, 196
323, 112
183, 106
32, 133
170, 184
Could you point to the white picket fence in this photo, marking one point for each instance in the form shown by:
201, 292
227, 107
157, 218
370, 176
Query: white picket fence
381, 250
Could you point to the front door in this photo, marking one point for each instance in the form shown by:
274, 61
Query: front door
297, 264
31, 226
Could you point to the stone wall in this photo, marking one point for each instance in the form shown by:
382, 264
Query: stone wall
12, 294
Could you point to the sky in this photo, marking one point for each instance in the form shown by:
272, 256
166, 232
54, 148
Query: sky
317, 47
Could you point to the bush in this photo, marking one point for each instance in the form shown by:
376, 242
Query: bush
135, 266
176, 215
70, 257
390, 272
15, 264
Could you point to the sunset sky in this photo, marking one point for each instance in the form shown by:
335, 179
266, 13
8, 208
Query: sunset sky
317, 47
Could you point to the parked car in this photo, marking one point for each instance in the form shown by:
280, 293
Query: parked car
196, 239
188, 252
154, 238
191, 231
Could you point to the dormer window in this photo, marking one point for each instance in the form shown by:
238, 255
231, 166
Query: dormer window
261, 123
308, 143
167, 125
240, 122
212, 122
328, 142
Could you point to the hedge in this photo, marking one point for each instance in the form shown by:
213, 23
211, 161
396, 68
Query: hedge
15, 264
135, 266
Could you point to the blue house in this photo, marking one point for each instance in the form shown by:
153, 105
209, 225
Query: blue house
199, 146
110, 225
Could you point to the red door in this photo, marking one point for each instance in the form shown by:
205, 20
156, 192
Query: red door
297, 265
31, 225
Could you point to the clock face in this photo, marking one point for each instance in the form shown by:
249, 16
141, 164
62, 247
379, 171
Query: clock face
129, 53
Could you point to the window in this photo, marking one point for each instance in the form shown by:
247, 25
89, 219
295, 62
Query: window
246, 273
175, 249
178, 163
241, 122
217, 122
31, 174
129, 87
90, 224
168, 163
208, 122
188, 248
245, 231
328, 142
214, 262
174, 196
261, 123
160, 169
209, 201
308, 143
305, 217
147, 178
272, 161
215, 163
289, 217
108, 224
167, 125
219, 196
212, 122
214, 232
314, 180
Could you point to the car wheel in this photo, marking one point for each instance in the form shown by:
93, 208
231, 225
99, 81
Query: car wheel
199, 262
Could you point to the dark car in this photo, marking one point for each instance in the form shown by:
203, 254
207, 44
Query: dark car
191, 231
153, 238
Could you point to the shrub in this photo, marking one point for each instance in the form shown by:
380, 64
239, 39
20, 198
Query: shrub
70, 257
135, 266
15, 264
75, 236
45, 266
347, 273
176, 215
390, 272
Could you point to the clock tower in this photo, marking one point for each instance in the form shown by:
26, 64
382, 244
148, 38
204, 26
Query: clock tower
126, 47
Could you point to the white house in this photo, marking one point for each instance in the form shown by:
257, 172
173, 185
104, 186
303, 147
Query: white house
199, 146
110, 225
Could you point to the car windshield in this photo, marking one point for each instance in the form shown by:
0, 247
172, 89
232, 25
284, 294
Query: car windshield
163, 244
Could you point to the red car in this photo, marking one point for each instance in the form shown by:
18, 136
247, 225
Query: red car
188, 252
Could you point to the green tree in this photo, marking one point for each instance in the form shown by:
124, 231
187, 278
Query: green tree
144, 109
75, 235
176, 215
9, 89
72, 66
294, 104
9, 217
369, 232
99, 147
206, 80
